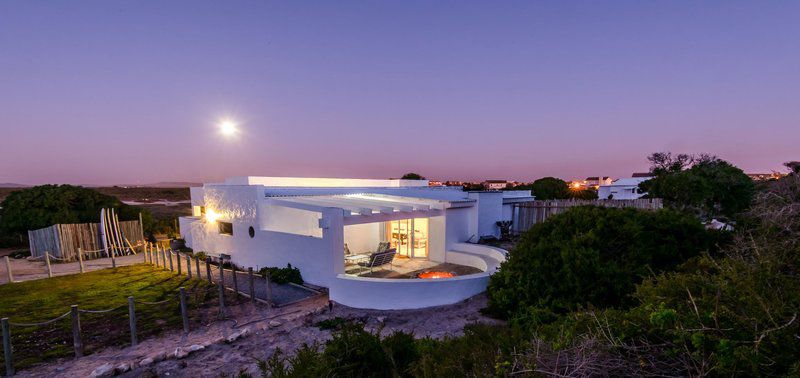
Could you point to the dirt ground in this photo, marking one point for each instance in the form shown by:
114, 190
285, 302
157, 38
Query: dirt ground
26, 270
286, 328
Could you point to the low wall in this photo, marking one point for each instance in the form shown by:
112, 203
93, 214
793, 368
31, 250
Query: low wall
399, 294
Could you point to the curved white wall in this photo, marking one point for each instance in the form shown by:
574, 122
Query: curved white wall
398, 294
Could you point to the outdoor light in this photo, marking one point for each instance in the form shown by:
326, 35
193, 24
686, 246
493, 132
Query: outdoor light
228, 128
211, 215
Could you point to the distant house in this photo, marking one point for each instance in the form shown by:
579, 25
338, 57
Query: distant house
597, 181
622, 189
497, 184
765, 176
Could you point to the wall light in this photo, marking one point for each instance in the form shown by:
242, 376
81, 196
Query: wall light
211, 215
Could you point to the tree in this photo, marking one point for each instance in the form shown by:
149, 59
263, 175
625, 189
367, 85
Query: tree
45, 205
550, 188
703, 185
592, 256
794, 166
412, 176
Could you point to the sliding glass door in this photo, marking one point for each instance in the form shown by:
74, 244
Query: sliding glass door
409, 237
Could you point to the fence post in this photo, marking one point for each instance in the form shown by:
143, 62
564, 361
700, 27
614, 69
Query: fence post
47, 260
184, 314
269, 287
113, 257
197, 267
80, 258
221, 290
189, 266
178, 261
144, 253
171, 267
252, 284
208, 269
8, 270
132, 318
7, 347
235, 281
154, 252
77, 343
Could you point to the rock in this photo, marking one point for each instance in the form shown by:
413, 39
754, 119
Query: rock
180, 353
123, 367
195, 348
237, 335
104, 370
274, 323
146, 361
381, 319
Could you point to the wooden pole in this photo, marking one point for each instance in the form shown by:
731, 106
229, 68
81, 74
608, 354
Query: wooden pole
269, 287
189, 266
197, 267
221, 290
235, 280
113, 256
252, 284
77, 343
47, 261
9, 274
141, 226
164, 258
208, 269
178, 261
132, 318
171, 267
7, 347
184, 313
80, 259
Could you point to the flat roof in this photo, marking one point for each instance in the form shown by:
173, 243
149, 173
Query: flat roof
323, 182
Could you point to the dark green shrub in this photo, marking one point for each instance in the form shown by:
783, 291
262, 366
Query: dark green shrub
333, 323
283, 275
593, 256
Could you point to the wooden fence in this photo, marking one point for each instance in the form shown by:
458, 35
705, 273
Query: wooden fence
526, 214
63, 240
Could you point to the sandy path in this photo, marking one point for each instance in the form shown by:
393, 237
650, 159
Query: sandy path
26, 270
296, 328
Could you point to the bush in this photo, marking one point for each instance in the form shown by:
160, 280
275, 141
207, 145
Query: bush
592, 256
702, 185
283, 275
352, 352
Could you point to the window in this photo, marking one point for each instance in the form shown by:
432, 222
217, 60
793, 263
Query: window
225, 228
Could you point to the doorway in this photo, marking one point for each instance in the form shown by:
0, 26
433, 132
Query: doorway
409, 237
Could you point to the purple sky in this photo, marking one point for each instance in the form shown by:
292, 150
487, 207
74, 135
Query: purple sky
129, 92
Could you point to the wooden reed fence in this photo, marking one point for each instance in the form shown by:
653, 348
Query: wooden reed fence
63, 240
526, 214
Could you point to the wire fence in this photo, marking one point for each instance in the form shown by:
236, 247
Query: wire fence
244, 284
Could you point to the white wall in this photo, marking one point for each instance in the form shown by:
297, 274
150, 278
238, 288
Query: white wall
490, 210
286, 219
397, 294
363, 238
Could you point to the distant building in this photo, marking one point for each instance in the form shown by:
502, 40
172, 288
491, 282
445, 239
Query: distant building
497, 184
596, 181
765, 176
622, 189
641, 174
453, 183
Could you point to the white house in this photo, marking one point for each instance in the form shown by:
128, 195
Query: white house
622, 189
323, 226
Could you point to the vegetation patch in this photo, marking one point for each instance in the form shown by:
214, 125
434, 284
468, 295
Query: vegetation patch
283, 275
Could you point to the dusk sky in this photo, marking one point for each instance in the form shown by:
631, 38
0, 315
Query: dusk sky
113, 92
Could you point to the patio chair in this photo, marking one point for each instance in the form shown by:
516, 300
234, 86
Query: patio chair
383, 246
346, 250
379, 259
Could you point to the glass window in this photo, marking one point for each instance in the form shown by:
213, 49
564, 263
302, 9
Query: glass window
225, 228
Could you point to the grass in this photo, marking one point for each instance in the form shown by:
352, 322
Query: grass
41, 300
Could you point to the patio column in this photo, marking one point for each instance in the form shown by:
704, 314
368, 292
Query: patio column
332, 224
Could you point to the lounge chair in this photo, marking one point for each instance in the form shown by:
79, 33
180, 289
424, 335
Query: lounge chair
383, 247
379, 259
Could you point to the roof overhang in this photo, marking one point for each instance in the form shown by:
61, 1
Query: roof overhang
366, 208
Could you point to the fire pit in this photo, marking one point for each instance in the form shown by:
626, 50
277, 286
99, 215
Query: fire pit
434, 275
